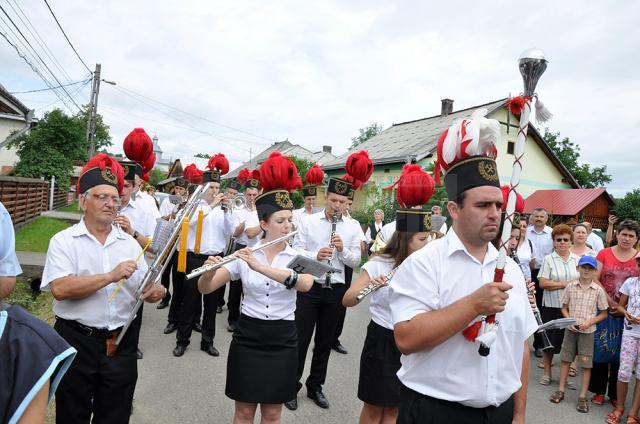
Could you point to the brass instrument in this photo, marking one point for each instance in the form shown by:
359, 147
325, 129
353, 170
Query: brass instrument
237, 202
161, 261
232, 257
334, 223
371, 287
546, 343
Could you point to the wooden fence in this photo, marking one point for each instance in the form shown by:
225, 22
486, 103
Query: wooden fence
26, 198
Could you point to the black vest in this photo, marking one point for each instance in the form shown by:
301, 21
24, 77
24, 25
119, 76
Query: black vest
374, 232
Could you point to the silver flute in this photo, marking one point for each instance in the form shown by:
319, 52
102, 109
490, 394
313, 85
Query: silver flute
232, 257
371, 287
334, 223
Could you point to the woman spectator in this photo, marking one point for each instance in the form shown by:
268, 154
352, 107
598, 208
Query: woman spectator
580, 246
615, 265
557, 271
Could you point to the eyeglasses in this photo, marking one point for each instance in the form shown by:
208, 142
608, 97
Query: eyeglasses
566, 240
105, 199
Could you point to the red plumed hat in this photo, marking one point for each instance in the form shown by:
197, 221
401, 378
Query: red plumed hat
192, 174
244, 175
138, 146
314, 175
415, 186
219, 162
278, 172
355, 184
359, 166
519, 199
147, 165
101, 169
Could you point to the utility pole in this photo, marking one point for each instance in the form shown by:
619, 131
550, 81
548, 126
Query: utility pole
93, 109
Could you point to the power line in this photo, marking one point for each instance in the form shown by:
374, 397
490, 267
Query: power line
42, 61
65, 35
74, 93
197, 116
50, 88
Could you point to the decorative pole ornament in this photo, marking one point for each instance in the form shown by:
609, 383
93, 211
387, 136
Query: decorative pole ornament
532, 64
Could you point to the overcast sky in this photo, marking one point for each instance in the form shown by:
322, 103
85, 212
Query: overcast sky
316, 72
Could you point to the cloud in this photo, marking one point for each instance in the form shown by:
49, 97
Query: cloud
316, 72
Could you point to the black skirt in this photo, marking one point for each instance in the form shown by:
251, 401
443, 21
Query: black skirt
379, 362
555, 336
263, 361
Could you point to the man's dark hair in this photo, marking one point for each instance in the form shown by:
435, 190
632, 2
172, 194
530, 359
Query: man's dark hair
460, 199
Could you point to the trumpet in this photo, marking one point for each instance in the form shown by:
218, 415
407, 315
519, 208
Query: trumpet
237, 202
371, 287
232, 257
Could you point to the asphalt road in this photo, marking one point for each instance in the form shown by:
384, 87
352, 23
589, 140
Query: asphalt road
190, 389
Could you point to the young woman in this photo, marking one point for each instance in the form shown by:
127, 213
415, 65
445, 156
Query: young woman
262, 363
378, 386
580, 247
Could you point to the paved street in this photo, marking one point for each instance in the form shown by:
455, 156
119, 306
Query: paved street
191, 389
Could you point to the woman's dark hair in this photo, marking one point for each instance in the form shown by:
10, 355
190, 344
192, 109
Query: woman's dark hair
398, 247
630, 225
580, 225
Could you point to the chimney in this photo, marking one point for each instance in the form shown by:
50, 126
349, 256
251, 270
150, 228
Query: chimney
326, 149
447, 107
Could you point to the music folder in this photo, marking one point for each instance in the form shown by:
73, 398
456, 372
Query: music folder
304, 265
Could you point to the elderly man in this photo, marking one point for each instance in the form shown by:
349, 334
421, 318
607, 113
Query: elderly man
593, 239
86, 265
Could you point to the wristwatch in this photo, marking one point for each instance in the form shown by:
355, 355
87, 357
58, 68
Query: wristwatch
135, 235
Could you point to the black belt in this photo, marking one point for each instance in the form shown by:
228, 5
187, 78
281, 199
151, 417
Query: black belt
100, 333
202, 255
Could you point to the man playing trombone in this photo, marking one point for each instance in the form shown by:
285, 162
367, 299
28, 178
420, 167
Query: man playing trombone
86, 264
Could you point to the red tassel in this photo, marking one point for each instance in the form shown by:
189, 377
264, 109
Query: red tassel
244, 175
138, 145
516, 104
471, 332
359, 166
519, 200
193, 174
415, 186
278, 172
314, 175
219, 162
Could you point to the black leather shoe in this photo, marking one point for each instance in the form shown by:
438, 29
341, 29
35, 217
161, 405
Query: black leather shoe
170, 328
232, 327
339, 348
292, 405
139, 354
197, 327
210, 350
538, 352
179, 351
164, 302
319, 399
219, 310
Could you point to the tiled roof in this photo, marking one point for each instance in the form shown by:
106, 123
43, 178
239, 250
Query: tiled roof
564, 202
14, 101
398, 142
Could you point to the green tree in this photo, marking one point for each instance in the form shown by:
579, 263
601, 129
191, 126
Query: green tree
51, 148
102, 138
569, 154
629, 206
365, 134
156, 175
303, 166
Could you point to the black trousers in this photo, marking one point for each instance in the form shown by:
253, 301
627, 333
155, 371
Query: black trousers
235, 295
317, 309
192, 299
167, 274
175, 306
416, 408
95, 384
348, 276
537, 337
604, 379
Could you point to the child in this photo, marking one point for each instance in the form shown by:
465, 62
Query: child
629, 354
581, 299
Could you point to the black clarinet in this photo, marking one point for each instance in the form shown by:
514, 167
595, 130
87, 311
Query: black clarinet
536, 313
334, 223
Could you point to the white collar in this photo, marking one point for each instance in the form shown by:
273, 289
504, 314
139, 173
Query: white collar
454, 244
80, 229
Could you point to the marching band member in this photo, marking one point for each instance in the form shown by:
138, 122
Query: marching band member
447, 286
215, 226
85, 263
378, 386
313, 178
133, 218
319, 308
246, 234
262, 363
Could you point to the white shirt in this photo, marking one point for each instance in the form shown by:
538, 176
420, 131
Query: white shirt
140, 218
367, 234
217, 226
542, 242
595, 242
167, 208
299, 214
250, 219
443, 229
525, 252
149, 203
380, 266
557, 269
75, 251
264, 298
9, 265
631, 287
314, 233
433, 278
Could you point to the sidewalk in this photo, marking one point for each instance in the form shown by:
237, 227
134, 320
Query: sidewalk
68, 216
31, 258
